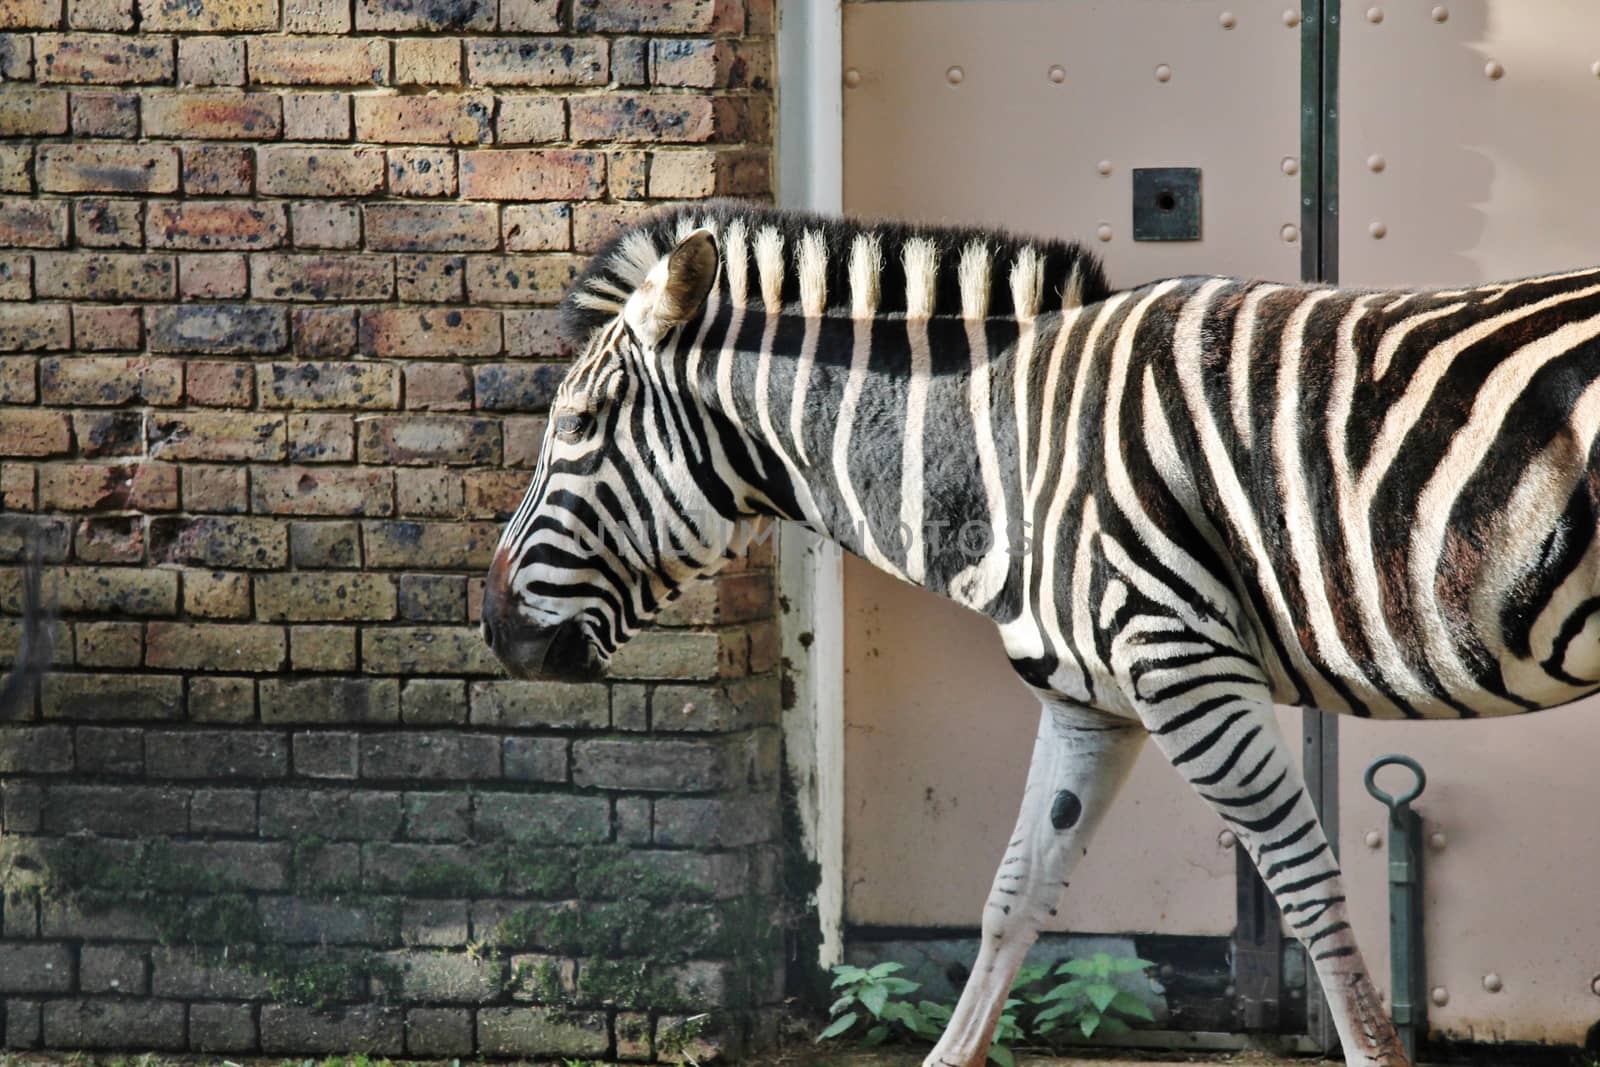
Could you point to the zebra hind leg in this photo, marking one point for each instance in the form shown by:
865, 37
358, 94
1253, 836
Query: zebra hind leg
1232, 752
1080, 760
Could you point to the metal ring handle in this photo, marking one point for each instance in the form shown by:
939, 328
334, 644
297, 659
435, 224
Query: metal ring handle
1394, 803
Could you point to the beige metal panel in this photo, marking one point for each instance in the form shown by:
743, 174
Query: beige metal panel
952, 112
1482, 178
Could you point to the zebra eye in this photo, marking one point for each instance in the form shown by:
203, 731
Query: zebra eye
573, 426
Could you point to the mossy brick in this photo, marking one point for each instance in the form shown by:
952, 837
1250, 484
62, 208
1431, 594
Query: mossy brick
208, 16
215, 224
108, 644
318, 61
428, 493
448, 15
542, 818
438, 387
227, 754
216, 115
634, 1031
322, 868
326, 754
105, 114
101, 59
259, 866
223, 811
596, 225
716, 822
222, 1027
316, 16
516, 387
117, 969
36, 433
319, 116
315, 491
34, 223
433, 649
104, 223
439, 1032
213, 699
389, 333
325, 597
541, 1032
21, 918
421, 172
630, 707
322, 648
111, 381
537, 227
207, 61
438, 816
511, 704
418, 755
215, 646
218, 328
312, 385
121, 810
219, 383
34, 327
35, 750
427, 61
532, 174
217, 169
734, 705
434, 702
655, 765
678, 655
326, 224
633, 820
534, 332
29, 112
110, 751
645, 118
330, 700
294, 171
216, 595
114, 1023
434, 923
324, 544
538, 61
187, 974
433, 597
223, 490
225, 436
428, 440
298, 921
322, 333
321, 277
456, 119
321, 438
445, 977
432, 227
438, 870
105, 276
236, 542
536, 279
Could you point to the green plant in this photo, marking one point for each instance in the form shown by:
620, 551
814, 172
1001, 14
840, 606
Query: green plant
1089, 999
870, 1005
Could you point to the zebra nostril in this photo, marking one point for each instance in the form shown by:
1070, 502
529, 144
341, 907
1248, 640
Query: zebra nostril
488, 634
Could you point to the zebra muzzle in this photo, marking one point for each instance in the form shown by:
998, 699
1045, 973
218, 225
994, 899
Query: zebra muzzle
532, 653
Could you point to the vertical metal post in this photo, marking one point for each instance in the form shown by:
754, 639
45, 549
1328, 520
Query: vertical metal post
1408, 975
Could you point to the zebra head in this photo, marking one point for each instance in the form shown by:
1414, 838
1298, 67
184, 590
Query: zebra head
623, 508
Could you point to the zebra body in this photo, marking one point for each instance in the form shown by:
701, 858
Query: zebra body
1190, 500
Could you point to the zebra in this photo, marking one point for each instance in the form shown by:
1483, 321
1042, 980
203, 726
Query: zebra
1208, 495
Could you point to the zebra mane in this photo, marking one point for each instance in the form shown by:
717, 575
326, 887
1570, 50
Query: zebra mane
859, 268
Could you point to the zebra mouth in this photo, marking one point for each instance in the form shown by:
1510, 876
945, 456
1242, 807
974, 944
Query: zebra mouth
560, 653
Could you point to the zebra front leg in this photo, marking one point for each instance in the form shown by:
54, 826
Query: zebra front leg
1080, 759
1230, 749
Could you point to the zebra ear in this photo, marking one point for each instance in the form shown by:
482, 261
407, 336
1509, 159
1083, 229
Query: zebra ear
691, 271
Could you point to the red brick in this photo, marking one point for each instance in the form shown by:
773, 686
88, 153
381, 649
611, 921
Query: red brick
222, 490
530, 119
721, 64
658, 16
595, 224
321, 491
421, 172
493, 494
30, 14
220, 115
318, 61
219, 436
110, 381
538, 227
96, 59
27, 112
324, 332
459, 118
428, 492
329, 385
213, 276
532, 174
316, 16
218, 328
16, 168
581, 61
425, 61
691, 173
319, 171
34, 327
110, 540
540, 279
104, 276
109, 644
202, 16
618, 117
452, 15
322, 278
108, 487
406, 332
211, 61
106, 329
219, 384
36, 433
105, 114
16, 276
438, 387
109, 433
16, 487
215, 646
432, 279
432, 227
530, 16
535, 332
316, 116
524, 439
216, 595
217, 170
33, 223
215, 224
420, 440
322, 438
108, 168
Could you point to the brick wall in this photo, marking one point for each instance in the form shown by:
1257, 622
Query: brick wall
277, 281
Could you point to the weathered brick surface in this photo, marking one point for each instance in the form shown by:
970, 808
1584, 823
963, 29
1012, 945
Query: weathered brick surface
278, 287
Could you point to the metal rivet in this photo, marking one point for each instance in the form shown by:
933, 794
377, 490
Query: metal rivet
1163, 73
1228, 20
1439, 995
1441, 14
1492, 983
1378, 230
1373, 839
1168, 970
1437, 841
1058, 74
1227, 839
1493, 70
1291, 19
1290, 165
955, 75
1374, 15
1229, 991
1376, 164
1594, 986
1104, 166
1103, 232
852, 78
1290, 233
